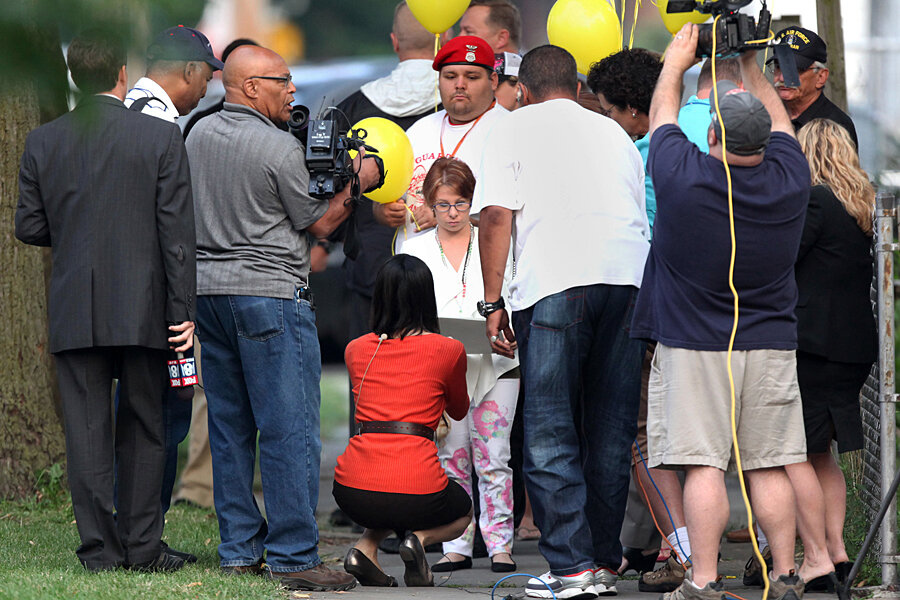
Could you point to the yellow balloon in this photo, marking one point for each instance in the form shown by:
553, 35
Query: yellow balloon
675, 21
437, 16
394, 148
588, 29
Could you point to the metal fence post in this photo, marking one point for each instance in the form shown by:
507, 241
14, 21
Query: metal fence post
885, 213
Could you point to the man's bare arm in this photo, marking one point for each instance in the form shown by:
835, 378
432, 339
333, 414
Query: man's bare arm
756, 83
680, 56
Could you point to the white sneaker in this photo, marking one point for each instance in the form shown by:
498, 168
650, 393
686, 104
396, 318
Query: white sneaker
605, 582
578, 586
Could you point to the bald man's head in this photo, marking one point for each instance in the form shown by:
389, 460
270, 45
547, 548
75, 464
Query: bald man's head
259, 78
410, 38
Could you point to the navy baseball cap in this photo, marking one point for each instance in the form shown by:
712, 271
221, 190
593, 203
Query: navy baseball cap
183, 43
807, 46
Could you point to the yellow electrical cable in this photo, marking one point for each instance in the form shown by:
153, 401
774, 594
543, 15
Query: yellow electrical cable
734, 292
637, 5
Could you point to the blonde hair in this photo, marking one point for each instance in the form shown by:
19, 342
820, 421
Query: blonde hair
833, 162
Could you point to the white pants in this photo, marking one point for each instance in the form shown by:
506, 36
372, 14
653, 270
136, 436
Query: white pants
482, 439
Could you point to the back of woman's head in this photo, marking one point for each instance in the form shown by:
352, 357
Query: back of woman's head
403, 301
452, 173
833, 162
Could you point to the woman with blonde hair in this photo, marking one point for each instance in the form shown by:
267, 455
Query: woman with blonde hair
837, 340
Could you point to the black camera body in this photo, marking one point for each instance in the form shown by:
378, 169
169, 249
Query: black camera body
327, 152
733, 30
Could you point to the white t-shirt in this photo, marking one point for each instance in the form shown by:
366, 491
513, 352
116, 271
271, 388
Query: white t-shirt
426, 136
575, 182
161, 107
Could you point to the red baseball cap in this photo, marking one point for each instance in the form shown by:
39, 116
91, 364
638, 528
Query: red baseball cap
465, 50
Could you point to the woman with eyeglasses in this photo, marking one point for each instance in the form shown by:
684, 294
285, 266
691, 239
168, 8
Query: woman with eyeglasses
481, 439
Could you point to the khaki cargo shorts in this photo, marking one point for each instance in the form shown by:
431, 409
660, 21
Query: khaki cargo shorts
689, 409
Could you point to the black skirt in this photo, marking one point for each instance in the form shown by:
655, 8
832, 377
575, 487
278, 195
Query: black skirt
830, 393
403, 512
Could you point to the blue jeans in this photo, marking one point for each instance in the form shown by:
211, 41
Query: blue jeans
261, 369
581, 374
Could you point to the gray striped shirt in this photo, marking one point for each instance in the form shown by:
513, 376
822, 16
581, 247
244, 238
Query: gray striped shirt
251, 205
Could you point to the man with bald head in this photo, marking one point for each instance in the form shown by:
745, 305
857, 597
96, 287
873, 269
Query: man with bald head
261, 360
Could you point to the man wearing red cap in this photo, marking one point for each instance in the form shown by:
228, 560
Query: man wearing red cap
466, 82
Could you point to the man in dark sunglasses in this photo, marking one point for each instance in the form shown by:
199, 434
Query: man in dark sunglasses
808, 101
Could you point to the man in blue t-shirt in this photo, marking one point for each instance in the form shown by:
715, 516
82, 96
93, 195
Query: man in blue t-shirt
686, 305
694, 118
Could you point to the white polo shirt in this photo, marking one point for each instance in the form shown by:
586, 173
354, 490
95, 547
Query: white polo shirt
575, 182
161, 108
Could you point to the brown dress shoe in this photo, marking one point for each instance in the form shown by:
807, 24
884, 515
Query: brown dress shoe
740, 536
318, 579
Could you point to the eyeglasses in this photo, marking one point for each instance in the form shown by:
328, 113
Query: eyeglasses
285, 81
459, 206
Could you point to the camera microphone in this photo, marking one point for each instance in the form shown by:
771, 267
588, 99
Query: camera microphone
383, 337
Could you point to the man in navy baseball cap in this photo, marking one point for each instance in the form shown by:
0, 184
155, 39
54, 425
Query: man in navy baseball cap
807, 100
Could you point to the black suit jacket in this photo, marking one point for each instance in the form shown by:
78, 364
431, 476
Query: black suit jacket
834, 274
109, 190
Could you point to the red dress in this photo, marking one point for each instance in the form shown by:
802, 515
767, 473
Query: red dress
414, 379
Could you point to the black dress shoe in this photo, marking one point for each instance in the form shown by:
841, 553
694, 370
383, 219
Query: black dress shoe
452, 565
391, 545
366, 572
824, 583
502, 567
185, 556
412, 553
165, 562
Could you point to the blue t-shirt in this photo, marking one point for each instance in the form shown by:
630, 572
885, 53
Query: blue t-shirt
694, 120
685, 301
643, 146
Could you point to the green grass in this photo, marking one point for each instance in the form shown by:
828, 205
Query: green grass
38, 539
38, 542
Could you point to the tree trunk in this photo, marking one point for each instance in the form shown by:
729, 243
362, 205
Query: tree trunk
31, 438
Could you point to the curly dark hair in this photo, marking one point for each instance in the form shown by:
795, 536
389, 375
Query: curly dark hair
626, 78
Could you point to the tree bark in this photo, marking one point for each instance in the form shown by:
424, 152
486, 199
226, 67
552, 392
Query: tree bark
831, 29
31, 438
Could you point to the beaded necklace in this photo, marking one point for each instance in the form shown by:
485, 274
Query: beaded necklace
465, 262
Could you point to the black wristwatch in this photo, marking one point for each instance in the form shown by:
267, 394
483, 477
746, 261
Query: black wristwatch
486, 308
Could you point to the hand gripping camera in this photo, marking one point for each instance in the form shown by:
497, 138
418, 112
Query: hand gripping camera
328, 153
734, 32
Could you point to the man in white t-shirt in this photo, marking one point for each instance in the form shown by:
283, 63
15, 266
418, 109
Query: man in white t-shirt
180, 62
466, 82
567, 186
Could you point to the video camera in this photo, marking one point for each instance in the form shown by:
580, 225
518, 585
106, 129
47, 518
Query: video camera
733, 30
328, 153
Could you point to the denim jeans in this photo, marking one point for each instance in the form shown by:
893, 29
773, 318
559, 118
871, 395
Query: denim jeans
261, 369
581, 373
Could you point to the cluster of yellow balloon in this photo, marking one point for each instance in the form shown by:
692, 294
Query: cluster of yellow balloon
393, 147
437, 16
588, 29
675, 21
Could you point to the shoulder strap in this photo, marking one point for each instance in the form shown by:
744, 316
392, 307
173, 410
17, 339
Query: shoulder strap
139, 104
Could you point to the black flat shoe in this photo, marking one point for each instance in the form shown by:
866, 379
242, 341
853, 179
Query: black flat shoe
637, 561
452, 565
366, 572
412, 553
502, 567
823, 583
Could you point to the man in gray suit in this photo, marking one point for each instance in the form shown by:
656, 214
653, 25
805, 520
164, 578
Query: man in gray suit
118, 216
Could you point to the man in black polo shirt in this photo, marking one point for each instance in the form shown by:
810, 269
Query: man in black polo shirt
807, 101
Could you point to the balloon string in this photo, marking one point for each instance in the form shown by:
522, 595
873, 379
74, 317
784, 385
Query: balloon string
621, 24
637, 5
437, 96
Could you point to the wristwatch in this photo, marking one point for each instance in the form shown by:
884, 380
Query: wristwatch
486, 308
